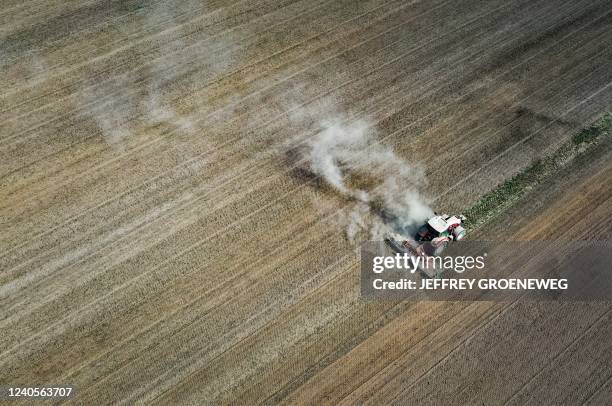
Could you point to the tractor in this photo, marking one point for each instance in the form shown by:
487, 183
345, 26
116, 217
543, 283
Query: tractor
431, 238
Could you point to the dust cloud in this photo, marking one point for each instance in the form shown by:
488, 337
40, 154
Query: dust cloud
383, 191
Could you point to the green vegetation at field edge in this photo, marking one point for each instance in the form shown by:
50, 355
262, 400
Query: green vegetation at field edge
505, 195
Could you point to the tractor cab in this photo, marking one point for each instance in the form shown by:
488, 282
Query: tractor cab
442, 226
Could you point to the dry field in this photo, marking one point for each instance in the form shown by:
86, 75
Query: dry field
159, 242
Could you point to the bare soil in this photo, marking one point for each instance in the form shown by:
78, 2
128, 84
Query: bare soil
157, 246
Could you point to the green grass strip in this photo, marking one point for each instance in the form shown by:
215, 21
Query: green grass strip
508, 193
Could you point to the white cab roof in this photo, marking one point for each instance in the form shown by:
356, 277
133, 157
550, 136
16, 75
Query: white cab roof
438, 224
453, 220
